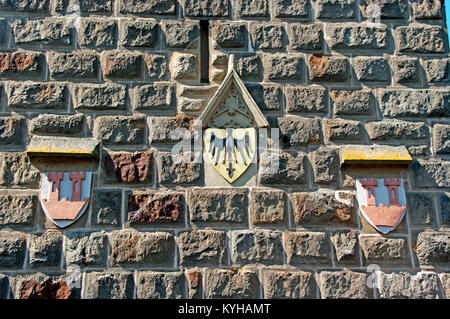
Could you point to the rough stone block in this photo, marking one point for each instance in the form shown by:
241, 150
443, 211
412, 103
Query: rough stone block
299, 131
209, 8
396, 129
130, 168
43, 286
431, 173
328, 69
257, 247
231, 283
310, 99
284, 68
156, 66
427, 9
156, 96
138, 33
370, 69
41, 6
444, 203
268, 206
421, 209
57, 124
336, 9
180, 169
279, 167
307, 248
417, 38
249, 67
343, 284
433, 248
90, 6
143, 7
352, 102
218, 205
12, 250
131, 248
86, 248
164, 129
229, 35
441, 138
281, 284
21, 63
106, 207
203, 247
400, 285
389, 9
16, 170
346, 247
108, 96
46, 249
32, 95
267, 35
406, 70
385, 251
12, 131
17, 210
352, 36
156, 207
181, 34
97, 33
109, 285
252, 8
184, 66
306, 37
160, 285
120, 130
74, 65
325, 163
195, 283
290, 8
437, 70
50, 31
268, 97
339, 130
121, 64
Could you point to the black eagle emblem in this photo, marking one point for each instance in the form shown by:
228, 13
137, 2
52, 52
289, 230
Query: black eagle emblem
230, 145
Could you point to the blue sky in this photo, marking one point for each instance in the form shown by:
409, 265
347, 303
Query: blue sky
447, 14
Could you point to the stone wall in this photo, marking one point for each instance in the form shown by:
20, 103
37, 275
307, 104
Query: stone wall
128, 72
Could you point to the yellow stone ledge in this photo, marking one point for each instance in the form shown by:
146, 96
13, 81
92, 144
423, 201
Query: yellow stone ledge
379, 154
63, 146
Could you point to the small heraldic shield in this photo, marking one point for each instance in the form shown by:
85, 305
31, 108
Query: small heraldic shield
65, 196
230, 150
382, 202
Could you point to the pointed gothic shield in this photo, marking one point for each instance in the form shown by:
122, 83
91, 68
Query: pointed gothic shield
230, 150
65, 196
382, 202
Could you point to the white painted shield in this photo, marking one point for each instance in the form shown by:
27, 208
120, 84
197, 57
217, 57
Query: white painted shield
61, 205
383, 212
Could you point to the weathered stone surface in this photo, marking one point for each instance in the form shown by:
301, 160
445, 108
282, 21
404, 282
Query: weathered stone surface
46, 31
209, 8
57, 124
284, 68
427, 9
120, 130
346, 247
444, 203
423, 285
343, 284
268, 97
267, 206
338, 130
441, 138
157, 96
42, 286
413, 103
420, 39
12, 131
31, 95
131, 248
160, 285
421, 209
279, 167
156, 7
309, 99
155, 208
290, 8
325, 162
138, 33
281, 284
156, 66
431, 173
352, 102
97, 33
328, 69
396, 129
106, 206
17, 210
180, 169
62, 146
105, 6
74, 65
3, 31
108, 96
249, 67
231, 283
370, 69
306, 37
86, 248
181, 34
184, 66
257, 247
445, 278
352, 36
307, 248
16, 170
12, 250
123, 167
389, 9
229, 34
381, 250
267, 35
336, 9
203, 247
45, 249
14, 64
121, 64
406, 70
195, 283
164, 129
433, 248
323, 209
298, 131
437, 70
218, 205
252, 8
25, 5
109, 285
